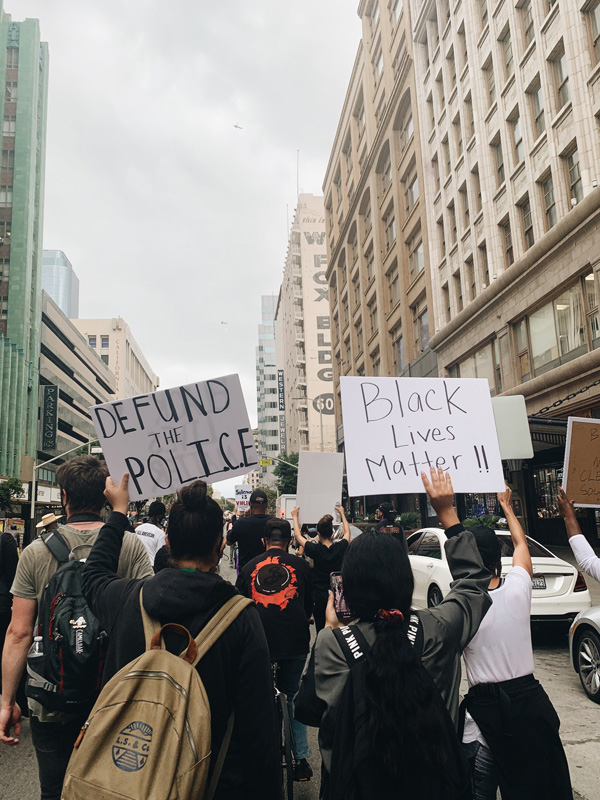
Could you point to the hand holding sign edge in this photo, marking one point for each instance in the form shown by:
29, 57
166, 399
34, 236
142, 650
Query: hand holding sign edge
118, 496
441, 496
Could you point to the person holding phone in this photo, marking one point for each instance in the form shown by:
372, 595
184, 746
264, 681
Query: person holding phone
327, 557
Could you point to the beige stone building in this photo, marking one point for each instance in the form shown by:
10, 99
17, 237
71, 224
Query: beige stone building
113, 340
510, 100
303, 336
378, 268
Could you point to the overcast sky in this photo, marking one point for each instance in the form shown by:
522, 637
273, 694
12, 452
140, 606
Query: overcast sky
172, 218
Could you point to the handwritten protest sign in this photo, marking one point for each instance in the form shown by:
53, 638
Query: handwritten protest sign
396, 428
242, 497
172, 437
581, 471
319, 487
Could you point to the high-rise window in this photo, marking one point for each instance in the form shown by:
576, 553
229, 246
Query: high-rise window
6, 196
446, 152
484, 265
395, 7
393, 284
527, 20
436, 172
386, 172
458, 292
499, 159
356, 289
464, 200
526, 222
490, 81
92, 342
574, 175
593, 15
12, 57
397, 350
372, 306
471, 277
518, 147
370, 263
469, 118
483, 10
442, 236
406, 129
547, 187
476, 188
358, 330
561, 77
452, 215
9, 125
377, 63
537, 107
411, 192
508, 61
458, 140
104, 341
509, 256
389, 224
446, 303
451, 68
421, 326
8, 160
416, 254
11, 91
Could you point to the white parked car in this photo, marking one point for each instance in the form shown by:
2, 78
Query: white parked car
559, 590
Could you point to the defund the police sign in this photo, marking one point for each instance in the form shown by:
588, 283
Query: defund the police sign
172, 437
397, 428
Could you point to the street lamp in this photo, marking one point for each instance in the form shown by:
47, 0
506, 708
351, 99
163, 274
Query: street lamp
318, 404
43, 464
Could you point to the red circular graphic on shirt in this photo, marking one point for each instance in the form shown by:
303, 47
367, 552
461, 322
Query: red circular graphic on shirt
273, 583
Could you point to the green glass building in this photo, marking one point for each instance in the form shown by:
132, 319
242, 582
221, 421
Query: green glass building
23, 107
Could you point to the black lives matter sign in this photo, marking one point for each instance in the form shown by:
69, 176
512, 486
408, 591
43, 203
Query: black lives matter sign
169, 438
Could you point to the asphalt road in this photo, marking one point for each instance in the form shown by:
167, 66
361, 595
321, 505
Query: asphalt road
580, 722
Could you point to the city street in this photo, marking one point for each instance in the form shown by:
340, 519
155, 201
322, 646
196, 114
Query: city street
580, 721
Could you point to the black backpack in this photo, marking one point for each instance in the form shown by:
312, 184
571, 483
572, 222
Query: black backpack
67, 675
352, 774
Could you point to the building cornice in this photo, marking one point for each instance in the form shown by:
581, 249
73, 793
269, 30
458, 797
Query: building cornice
584, 214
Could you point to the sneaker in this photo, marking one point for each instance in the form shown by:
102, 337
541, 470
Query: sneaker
302, 770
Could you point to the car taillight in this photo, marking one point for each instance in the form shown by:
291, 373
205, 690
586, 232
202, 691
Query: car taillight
580, 584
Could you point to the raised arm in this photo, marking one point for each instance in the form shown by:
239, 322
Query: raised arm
586, 559
346, 526
463, 608
521, 555
299, 538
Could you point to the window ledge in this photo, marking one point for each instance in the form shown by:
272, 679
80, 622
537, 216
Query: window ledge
372, 338
549, 18
527, 54
510, 82
384, 196
517, 170
453, 94
594, 75
448, 180
415, 280
459, 163
410, 214
393, 309
464, 73
539, 143
483, 35
471, 143
564, 112
453, 249
492, 110
442, 116
438, 197
478, 218
499, 192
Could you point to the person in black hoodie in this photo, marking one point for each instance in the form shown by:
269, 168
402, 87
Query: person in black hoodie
235, 671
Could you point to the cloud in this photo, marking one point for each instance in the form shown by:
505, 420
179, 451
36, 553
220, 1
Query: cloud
172, 218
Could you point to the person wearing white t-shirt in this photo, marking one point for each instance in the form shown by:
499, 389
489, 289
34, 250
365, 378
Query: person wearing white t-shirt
511, 728
151, 532
587, 560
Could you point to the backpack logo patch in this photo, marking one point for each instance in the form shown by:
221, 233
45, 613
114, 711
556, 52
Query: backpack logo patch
78, 625
132, 747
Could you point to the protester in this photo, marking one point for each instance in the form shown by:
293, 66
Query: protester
9, 558
81, 481
151, 533
235, 671
280, 585
511, 728
386, 523
48, 523
587, 560
248, 531
233, 547
327, 557
399, 740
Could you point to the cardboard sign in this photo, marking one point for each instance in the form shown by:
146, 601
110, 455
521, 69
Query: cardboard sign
396, 428
175, 436
512, 427
581, 470
319, 487
242, 497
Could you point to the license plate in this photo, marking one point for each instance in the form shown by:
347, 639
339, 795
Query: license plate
539, 582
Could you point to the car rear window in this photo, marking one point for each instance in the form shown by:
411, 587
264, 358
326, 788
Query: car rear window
536, 550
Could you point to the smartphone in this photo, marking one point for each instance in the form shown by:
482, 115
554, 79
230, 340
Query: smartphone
342, 611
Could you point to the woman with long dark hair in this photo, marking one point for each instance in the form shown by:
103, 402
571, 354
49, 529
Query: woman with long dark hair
236, 671
327, 557
397, 671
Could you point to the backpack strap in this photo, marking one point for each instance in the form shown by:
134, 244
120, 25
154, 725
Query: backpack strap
352, 643
151, 626
220, 759
57, 545
219, 623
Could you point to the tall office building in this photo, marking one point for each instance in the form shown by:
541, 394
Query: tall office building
61, 282
510, 137
266, 390
114, 342
378, 270
24, 75
303, 336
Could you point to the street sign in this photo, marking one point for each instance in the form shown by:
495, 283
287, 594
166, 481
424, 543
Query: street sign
266, 462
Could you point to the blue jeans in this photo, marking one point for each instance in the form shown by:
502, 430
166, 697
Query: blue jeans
484, 773
53, 744
288, 680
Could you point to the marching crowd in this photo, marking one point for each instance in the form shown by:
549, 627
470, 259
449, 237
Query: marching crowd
147, 674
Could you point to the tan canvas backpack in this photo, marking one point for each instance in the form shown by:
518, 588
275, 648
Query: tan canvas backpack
148, 736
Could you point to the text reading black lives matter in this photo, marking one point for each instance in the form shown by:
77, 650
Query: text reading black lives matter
181, 406
419, 440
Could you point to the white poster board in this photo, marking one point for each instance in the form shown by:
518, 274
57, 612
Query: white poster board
242, 498
512, 427
396, 428
319, 487
169, 438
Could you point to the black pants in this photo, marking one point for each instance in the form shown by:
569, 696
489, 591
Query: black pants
53, 744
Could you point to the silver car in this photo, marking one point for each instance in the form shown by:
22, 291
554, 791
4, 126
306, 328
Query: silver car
584, 647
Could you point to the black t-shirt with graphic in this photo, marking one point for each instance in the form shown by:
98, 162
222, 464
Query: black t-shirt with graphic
280, 584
